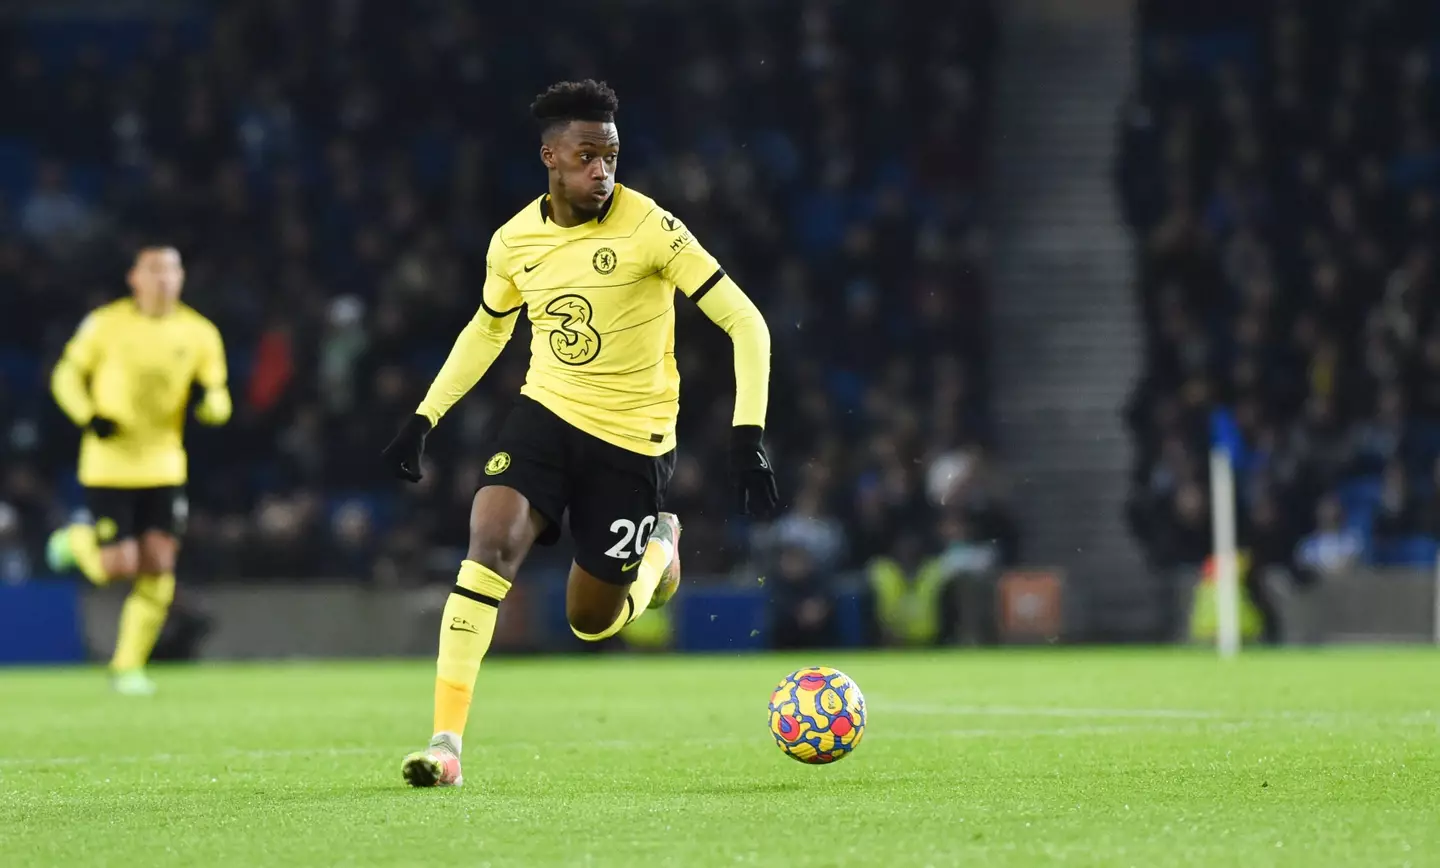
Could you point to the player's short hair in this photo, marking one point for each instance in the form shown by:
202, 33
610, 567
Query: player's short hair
144, 246
567, 101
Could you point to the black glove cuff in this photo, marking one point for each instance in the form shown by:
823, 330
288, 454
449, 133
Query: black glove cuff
417, 427
747, 436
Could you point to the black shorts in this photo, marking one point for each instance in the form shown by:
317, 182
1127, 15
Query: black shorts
126, 513
613, 494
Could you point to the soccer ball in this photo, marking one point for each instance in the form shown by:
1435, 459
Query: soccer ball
817, 715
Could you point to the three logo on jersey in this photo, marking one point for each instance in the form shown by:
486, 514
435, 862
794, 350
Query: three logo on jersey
575, 341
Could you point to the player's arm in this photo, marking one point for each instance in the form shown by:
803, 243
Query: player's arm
699, 276
475, 350
69, 381
215, 405
720, 299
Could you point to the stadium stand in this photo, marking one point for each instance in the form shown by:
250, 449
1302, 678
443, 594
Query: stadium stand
334, 208
1279, 166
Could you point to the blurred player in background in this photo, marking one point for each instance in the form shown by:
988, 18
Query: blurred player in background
595, 266
125, 379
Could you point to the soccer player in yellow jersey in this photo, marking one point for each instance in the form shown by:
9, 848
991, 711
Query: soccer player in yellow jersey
595, 266
125, 379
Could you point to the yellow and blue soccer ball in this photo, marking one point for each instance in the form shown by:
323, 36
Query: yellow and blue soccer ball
817, 715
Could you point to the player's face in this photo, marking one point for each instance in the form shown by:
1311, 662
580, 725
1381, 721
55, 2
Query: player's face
156, 279
582, 158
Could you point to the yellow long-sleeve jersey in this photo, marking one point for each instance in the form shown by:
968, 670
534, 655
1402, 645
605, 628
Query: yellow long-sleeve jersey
601, 301
137, 370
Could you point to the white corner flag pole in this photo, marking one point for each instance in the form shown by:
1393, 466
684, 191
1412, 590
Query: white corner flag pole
1435, 627
1227, 579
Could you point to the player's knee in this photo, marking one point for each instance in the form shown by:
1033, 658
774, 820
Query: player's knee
501, 533
588, 620
121, 560
157, 554
500, 552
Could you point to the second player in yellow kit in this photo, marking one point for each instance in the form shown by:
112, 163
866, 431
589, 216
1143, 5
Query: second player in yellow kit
597, 268
125, 379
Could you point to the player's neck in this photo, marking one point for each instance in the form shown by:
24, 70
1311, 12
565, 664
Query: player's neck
153, 313
563, 214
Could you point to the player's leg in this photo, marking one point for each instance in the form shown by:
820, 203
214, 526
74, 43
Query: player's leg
104, 548
594, 606
519, 504
143, 614
120, 561
503, 528
160, 515
599, 608
626, 549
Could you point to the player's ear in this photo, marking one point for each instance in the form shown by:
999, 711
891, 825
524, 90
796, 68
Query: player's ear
547, 155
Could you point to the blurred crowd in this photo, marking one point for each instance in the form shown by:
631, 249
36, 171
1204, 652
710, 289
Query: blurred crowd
1280, 166
331, 172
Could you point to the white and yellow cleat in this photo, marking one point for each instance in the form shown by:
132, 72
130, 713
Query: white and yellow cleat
436, 766
667, 533
132, 683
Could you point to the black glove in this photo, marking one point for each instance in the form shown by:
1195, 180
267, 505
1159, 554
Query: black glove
403, 453
751, 473
102, 427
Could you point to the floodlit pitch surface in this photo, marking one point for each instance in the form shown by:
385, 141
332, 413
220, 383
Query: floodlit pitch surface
1053, 756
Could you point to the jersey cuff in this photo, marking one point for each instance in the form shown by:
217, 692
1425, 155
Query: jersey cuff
707, 285
498, 314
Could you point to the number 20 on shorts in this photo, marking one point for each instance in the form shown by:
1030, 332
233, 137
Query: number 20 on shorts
630, 534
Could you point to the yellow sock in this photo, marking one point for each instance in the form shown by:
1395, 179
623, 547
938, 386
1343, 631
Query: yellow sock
141, 618
85, 549
647, 578
465, 633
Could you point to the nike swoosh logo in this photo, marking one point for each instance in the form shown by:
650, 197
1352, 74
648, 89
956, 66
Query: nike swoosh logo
463, 629
530, 268
630, 566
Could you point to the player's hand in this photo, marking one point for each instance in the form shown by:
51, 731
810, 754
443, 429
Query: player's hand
102, 426
214, 408
404, 452
751, 473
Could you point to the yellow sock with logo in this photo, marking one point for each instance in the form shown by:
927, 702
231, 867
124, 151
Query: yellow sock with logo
85, 551
466, 629
647, 578
141, 619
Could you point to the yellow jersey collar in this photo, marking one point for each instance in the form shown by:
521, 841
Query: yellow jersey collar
599, 218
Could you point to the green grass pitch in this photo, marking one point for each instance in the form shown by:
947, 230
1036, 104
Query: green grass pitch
1045, 757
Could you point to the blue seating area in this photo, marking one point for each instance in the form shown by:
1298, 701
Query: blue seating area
1280, 170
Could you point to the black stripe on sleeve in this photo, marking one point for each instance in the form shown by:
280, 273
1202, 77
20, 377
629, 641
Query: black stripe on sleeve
707, 285
471, 595
498, 314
